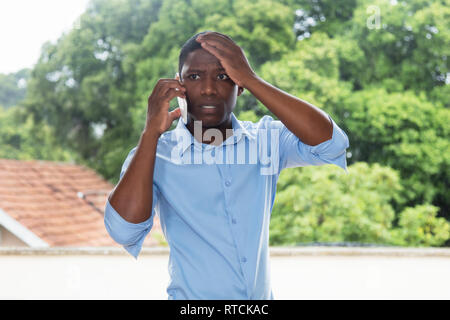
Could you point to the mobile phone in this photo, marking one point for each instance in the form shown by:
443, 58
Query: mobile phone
182, 103
183, 107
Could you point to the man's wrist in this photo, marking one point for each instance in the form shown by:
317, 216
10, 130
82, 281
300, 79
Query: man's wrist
251, 81
148, 134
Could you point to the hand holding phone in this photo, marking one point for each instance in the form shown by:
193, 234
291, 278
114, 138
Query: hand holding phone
159, 118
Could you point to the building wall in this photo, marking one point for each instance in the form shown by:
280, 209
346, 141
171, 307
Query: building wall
7, 239
297, 273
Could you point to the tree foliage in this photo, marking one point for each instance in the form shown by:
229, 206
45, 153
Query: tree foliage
380, 68
406, 132
327, 205
13, 88
29, 141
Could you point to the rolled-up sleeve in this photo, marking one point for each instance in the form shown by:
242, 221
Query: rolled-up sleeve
130, 235
295, 153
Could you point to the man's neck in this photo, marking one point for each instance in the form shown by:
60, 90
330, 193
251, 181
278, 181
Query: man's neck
226, 131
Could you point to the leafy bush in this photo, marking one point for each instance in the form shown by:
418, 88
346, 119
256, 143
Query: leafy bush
420, 227
324, 204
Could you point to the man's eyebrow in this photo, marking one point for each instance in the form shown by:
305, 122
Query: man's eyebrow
203, 71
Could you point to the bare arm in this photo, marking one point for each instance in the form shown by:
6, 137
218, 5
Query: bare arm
309, 123
133, 196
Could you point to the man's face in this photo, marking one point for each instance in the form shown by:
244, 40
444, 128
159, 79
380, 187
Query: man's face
207, 84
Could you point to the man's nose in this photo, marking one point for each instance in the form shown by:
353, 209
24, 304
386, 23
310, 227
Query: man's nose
209, 86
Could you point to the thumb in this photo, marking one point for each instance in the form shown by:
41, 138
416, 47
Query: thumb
175, 114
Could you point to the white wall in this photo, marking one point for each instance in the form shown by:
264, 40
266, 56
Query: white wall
300, 273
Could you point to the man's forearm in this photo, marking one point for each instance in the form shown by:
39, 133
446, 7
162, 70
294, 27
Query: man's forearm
133, 196
307, 122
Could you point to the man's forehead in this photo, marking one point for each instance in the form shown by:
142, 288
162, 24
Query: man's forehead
203, 61
204, 68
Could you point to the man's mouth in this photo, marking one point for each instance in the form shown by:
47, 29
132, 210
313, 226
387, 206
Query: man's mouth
209, 107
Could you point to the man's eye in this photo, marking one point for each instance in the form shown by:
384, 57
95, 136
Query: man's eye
222, 74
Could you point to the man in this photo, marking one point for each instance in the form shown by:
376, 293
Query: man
213, 180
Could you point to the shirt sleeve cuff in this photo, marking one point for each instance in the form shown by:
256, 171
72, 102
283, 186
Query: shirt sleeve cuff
130, 235
333, 151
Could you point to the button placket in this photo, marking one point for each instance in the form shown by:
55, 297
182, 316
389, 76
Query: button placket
225, 170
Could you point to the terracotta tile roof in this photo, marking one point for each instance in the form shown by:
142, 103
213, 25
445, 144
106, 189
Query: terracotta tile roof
60, 203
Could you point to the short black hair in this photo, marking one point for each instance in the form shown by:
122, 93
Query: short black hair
188, 47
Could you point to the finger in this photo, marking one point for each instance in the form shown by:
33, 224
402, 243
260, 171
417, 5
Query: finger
172, 84
226, 37
226, 46
156, 90
163, 85
216, 42
177, 77
217, 39
172, 93
212, 34
219, 53
175, 114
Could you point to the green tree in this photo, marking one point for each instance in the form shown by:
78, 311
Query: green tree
324, 204
29, 141
353, 73
83, 87
13, 87
407, 133
419, 227
310, 72
323, 15
410, 45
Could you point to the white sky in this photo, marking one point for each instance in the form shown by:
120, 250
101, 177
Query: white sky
26, 24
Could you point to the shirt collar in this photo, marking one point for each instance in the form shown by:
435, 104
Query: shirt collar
238, 131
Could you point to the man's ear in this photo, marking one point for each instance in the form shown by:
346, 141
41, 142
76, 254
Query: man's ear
240, 90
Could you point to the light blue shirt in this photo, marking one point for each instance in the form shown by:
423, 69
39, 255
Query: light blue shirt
214, 205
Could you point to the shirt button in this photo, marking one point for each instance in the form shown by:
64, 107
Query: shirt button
244, 259
227, 183
233, 221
